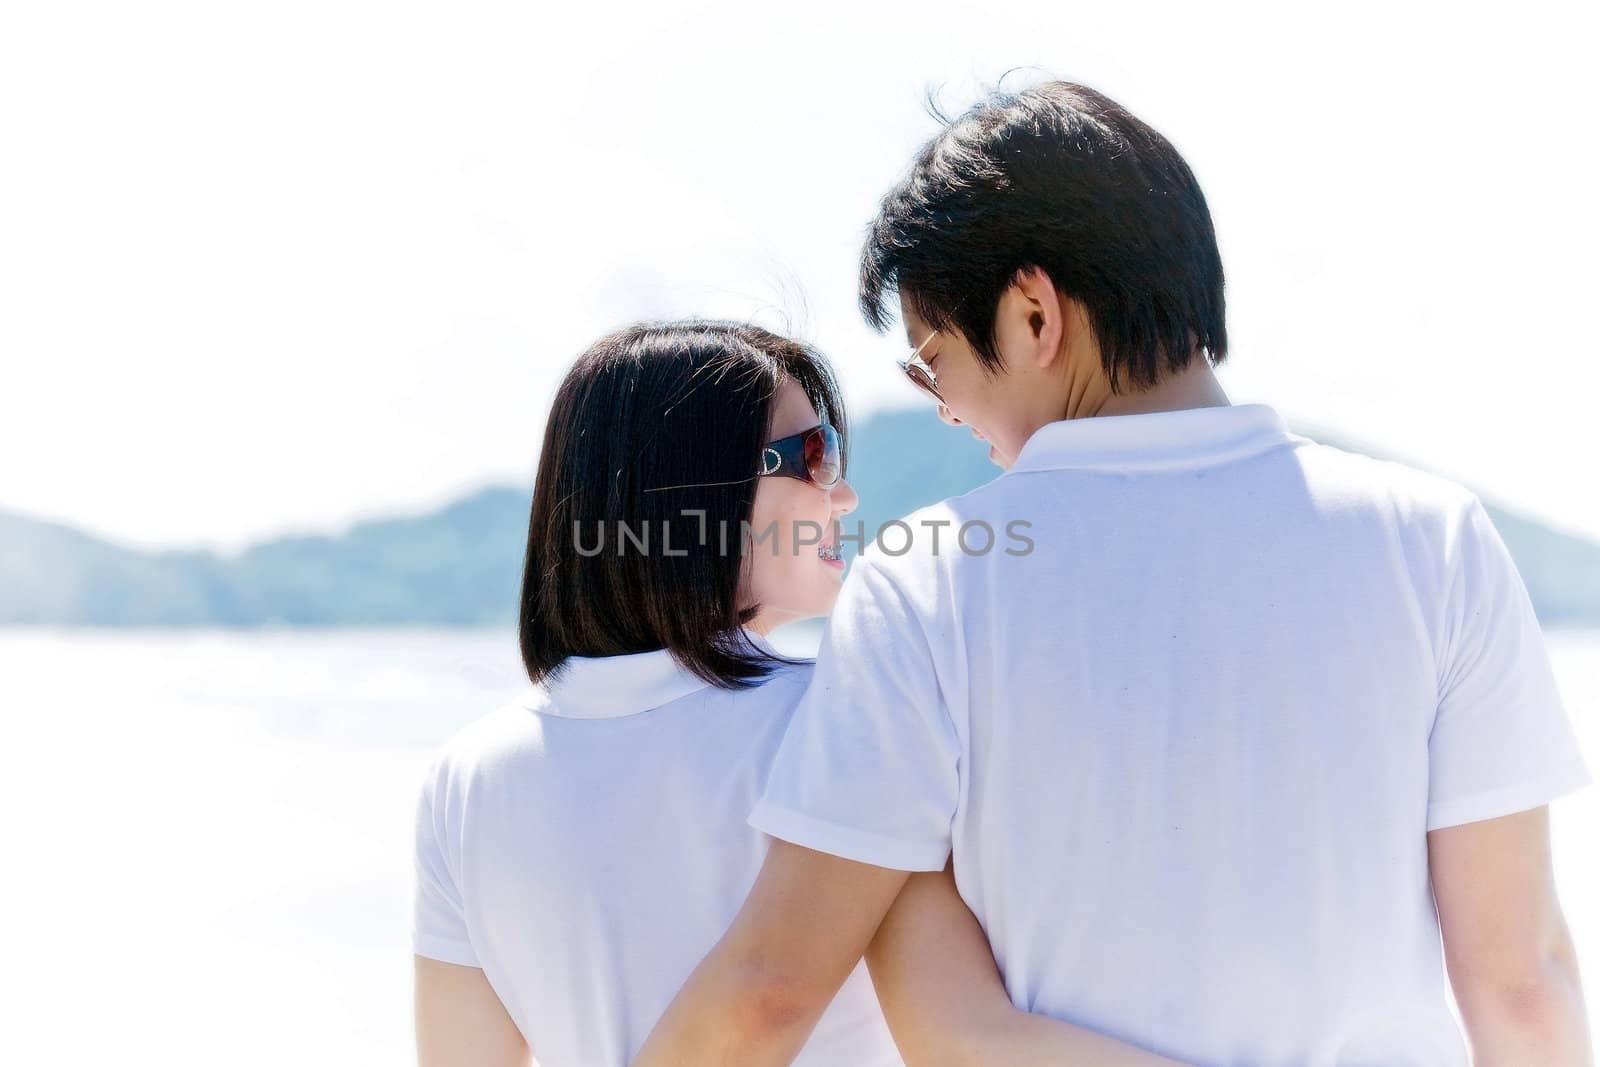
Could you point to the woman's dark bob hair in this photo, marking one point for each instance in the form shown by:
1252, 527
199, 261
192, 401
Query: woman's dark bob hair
651, 453
1062, 178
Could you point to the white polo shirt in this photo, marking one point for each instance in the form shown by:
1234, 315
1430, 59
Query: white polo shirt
1187, 750
586, 846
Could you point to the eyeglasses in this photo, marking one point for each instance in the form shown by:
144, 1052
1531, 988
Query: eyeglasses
812, 456
919, 372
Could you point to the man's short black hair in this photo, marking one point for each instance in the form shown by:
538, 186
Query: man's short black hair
1062, 178
653, 421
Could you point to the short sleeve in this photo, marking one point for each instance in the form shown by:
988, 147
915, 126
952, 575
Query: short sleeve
439, 925
868, 768
1501, 741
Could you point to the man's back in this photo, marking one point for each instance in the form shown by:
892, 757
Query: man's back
1186, 750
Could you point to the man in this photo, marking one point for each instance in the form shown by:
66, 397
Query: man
1218, 761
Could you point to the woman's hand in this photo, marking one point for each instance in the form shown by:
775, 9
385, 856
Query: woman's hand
945, 1003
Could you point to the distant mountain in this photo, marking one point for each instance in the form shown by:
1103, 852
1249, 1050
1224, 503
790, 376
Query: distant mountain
456, 566
461, 565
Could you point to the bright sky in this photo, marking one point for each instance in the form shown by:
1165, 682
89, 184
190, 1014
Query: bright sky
276, 267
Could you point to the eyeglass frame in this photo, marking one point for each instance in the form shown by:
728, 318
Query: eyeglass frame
917, 369
920, 371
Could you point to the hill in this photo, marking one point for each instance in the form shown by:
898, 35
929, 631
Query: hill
461, 564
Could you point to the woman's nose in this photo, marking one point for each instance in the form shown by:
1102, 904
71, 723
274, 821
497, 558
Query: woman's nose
844, 497
946, 414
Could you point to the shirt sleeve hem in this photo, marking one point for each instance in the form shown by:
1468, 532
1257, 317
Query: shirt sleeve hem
1506, 801
444, 949
862, 846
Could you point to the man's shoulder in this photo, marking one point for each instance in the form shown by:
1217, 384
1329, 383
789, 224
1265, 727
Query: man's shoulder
958, 525
1346, 479
906, 549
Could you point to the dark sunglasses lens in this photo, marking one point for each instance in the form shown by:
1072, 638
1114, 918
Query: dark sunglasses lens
822, 456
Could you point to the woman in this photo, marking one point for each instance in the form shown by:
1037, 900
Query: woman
581, 849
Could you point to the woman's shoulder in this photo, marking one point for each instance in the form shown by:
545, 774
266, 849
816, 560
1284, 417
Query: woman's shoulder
789, 677
509, 731
775, 695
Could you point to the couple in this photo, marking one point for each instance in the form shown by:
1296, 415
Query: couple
1235, 765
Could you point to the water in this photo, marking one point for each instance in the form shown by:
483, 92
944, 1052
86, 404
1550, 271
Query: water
210, 835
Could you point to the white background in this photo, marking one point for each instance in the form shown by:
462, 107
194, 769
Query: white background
274, 267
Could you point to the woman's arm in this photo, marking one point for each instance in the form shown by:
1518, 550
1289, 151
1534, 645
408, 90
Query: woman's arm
754, 1000
944, 1001
460, 1020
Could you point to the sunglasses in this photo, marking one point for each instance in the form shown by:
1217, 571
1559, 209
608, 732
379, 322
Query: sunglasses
812, 456
919, 372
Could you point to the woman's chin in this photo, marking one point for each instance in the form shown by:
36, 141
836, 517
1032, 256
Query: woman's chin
823, 600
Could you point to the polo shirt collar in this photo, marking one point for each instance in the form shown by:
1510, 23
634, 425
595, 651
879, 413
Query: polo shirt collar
608, 687
1162, 440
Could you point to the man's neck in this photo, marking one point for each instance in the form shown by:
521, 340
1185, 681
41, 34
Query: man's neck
1195, 386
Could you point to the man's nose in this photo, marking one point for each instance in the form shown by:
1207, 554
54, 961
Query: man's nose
948, 416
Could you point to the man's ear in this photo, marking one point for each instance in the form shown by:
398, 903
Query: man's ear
1045, 311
